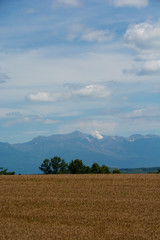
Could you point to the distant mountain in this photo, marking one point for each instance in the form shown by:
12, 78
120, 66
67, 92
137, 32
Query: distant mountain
139, 170
136, 151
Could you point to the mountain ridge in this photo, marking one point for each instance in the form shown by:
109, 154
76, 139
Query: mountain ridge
135, 151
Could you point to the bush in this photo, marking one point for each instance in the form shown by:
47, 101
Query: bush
115, 171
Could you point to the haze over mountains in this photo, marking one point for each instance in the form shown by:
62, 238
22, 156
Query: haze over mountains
135, 151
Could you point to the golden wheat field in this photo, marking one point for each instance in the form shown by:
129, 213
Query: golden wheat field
109, 207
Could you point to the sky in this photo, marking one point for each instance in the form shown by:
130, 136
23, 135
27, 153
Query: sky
86, 65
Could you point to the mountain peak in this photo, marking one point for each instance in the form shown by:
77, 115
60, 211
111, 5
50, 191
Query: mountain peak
76, 133
135, 137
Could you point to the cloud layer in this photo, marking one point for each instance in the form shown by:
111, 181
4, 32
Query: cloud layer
131, 3
66, 3
82, 33
88, 91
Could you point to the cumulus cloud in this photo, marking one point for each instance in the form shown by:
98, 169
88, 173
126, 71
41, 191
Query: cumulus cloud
66, 3
149, 68
97, 91
144, 38
145, 68
80, 32
96, 134
130, 3
43, 97
88, 91
100, 36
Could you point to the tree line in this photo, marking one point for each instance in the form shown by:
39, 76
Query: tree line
5, 172
56, 165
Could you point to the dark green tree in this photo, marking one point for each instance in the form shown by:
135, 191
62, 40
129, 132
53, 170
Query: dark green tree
54, 166
46, 167
105, 169
115, 171
87, 170
76, 167
58, 165
96, 168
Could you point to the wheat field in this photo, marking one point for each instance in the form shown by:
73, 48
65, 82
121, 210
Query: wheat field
108, 207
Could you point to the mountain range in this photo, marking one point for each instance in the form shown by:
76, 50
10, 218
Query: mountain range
136, 151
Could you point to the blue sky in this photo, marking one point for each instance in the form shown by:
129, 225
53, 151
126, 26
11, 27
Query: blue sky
67, 65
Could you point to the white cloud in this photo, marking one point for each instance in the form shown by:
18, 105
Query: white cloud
130, 3
96, 134
80, 32
145, 68
43, 97
100, 36
69, 3
144, 38
150, 68
96, 91
89, 91
137, 113
144, 113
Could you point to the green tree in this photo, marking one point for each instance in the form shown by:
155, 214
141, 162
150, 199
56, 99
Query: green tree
105, 169
96, 168
116, 171
54, 166
99, 169
87, 170
76, 167
46, 167
58, 165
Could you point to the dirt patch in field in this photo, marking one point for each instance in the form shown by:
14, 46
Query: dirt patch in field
81, 207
